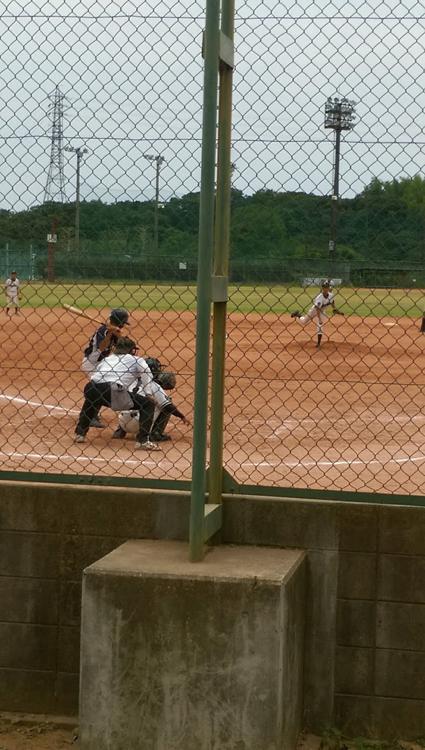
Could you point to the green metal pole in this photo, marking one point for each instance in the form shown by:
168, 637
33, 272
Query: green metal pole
221, 260
203, 307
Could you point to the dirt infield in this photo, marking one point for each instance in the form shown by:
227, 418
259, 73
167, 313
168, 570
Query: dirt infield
348, 416
36, 732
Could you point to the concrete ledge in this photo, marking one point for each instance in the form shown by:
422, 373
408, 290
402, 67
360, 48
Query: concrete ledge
186, 656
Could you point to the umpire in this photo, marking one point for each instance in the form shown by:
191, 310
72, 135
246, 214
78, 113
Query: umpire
110, 385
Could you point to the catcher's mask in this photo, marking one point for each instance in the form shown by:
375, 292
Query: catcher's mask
125, 345
154, 365
119, 317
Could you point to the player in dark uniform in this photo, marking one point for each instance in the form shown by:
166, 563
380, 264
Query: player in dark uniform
101, 344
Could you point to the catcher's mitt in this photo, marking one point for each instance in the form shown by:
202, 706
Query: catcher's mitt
167, 380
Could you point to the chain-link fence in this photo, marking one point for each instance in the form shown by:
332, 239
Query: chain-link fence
99, 203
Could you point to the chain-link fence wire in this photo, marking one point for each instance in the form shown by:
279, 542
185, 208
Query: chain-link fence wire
100, 145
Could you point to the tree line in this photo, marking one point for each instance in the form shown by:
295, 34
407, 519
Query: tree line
384, 223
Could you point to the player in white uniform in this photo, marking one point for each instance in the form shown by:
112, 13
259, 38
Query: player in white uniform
317, 311
11, 289
123, 376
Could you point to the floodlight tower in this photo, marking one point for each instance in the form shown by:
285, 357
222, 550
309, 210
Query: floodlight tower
159, 160
79, 152
339, 116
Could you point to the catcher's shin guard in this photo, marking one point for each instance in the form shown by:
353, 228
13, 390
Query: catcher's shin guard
159, 425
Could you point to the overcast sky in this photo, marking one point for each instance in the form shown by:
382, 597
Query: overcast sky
132, 77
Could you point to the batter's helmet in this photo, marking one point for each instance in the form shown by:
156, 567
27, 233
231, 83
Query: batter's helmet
125, 345
118, 316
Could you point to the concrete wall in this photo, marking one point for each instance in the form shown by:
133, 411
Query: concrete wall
192, 656
48, 535
365, 644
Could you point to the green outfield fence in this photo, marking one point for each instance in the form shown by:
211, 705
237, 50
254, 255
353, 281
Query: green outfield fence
31, 265
103, 160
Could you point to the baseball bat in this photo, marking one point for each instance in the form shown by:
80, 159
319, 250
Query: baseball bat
82, 314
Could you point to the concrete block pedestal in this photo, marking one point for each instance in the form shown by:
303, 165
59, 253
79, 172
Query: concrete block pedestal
192, 656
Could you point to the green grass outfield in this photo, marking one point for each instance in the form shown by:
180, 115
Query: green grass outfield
244, 299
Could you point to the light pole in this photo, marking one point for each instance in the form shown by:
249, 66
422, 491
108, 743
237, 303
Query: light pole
51, 247
339, 116
159, 160
78, 151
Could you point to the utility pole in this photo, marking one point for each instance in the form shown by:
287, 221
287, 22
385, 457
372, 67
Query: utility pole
159, 160
79, 152
339, 116
55, 185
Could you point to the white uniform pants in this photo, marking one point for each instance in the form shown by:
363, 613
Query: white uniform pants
313, 314
12, 300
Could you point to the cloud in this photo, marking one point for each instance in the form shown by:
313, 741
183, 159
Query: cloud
132, 76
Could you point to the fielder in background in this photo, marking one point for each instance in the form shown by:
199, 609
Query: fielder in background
12, 291
317, 312
123, 381
100, 346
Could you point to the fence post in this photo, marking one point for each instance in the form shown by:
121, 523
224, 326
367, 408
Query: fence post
203, 307
221, 251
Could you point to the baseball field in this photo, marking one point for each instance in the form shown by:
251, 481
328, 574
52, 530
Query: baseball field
348, 416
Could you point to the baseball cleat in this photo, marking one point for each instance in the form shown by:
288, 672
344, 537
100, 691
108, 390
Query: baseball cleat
161, 438
295, 314
147, 446
79, 439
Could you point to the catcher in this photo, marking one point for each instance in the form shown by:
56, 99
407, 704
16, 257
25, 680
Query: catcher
128, 421
323, 300
124, 381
